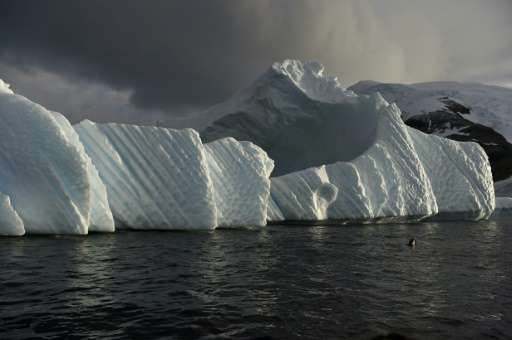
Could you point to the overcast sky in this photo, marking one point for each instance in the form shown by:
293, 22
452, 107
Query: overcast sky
143, 61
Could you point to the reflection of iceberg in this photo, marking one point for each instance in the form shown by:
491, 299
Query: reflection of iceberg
343, 156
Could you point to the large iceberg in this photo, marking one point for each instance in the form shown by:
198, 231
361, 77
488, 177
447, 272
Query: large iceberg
347, 157
160, 178
51, 182
337, 156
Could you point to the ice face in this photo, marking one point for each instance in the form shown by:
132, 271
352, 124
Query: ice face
160, 178
304, 195
10, 222
240, 174
324, 138
101, 219
387, 180
293, 112
45, 171
460, 176
156, 178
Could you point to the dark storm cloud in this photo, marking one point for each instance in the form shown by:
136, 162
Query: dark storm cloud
177, 55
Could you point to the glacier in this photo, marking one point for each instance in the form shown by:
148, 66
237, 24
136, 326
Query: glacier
45, 171
344, 156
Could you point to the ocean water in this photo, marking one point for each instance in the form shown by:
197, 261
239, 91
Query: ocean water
280, 282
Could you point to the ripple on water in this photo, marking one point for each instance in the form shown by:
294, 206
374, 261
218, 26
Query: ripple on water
280, 282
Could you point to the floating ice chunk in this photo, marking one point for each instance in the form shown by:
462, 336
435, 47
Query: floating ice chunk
10, 222
156, 178
240, 174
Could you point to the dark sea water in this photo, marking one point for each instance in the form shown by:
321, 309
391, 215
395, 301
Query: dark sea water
281, 282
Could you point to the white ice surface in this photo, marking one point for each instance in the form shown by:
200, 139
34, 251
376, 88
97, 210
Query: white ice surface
156, 178
460, 176
388, 180
10, 222
101, 219
343, 156
240, 174
43, 169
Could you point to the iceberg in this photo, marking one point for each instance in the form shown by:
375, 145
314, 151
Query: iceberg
343, 156
50, 180
240, 174
156, 178
386, 181
335, 156
159, 178
10, 222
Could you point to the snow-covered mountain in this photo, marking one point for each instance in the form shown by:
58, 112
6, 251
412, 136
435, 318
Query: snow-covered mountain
458, 111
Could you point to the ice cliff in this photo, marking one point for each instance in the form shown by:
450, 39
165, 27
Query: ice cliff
51, 183
344, 156
337, 156
160, 178
60, 179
